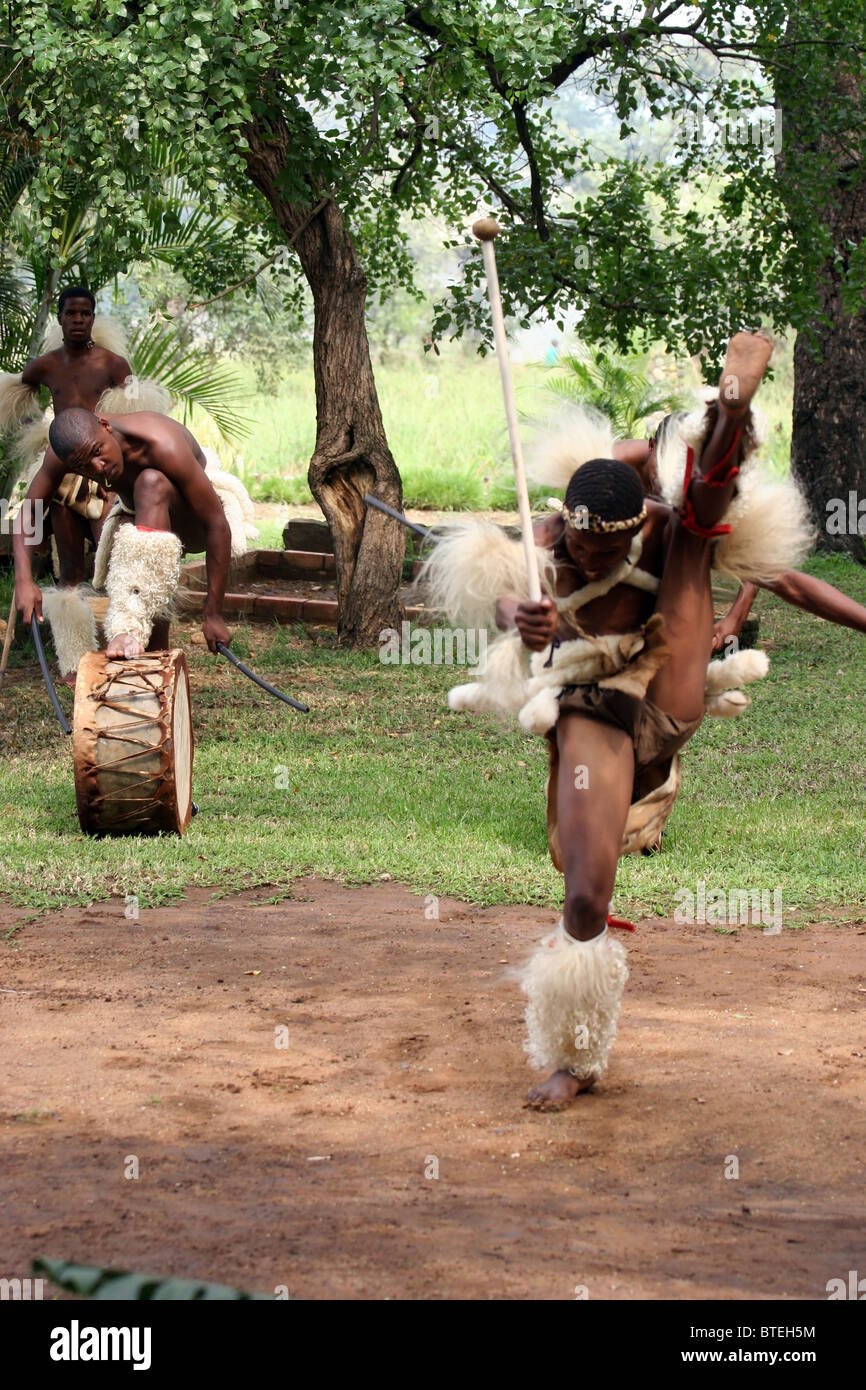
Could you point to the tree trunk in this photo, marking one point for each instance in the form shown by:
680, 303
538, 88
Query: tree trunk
43, 313
351, 455
828, 444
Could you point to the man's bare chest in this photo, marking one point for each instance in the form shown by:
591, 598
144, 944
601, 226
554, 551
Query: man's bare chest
623, 609
77, 385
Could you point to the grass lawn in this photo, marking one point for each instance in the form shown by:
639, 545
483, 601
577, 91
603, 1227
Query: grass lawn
445, 426
383, 779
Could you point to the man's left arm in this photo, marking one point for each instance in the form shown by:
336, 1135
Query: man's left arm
816, 596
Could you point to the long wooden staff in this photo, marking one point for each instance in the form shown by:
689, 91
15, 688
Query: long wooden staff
485, 230
7, 640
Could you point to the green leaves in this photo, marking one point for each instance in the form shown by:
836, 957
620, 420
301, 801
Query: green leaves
192, 376
407, 113
89, 1281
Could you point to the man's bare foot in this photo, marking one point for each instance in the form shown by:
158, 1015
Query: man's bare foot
745, 364
557, 1091
124, 647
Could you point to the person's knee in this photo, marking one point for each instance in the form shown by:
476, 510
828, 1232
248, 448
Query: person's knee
152, 489
585, 910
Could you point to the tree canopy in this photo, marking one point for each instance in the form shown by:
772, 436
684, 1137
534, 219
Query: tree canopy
396, 111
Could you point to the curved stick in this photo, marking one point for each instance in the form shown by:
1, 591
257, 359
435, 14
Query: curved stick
398, 516
40, 652
257, 680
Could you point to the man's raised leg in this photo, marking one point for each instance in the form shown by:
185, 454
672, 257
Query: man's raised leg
685, 594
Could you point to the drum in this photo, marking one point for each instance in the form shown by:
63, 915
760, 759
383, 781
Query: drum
132, 744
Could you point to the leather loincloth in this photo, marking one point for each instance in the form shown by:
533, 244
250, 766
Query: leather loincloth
656, 738
81, 495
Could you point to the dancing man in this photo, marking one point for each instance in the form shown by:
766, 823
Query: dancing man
618, 675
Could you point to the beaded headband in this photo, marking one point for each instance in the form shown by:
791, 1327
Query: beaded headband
584, 520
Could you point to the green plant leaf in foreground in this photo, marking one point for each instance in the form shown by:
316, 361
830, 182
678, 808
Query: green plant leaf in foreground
119, 1285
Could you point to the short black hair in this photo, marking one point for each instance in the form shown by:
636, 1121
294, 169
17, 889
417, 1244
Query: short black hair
72, 428
75, 292
608, 488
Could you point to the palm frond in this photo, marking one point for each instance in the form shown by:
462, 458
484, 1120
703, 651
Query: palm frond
617, 386
193, 378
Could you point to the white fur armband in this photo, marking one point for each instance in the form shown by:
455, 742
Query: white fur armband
472, 565
143, 576
73, 626
18, 403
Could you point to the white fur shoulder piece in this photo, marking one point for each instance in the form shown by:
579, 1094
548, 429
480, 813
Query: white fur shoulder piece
107, 333
570, 439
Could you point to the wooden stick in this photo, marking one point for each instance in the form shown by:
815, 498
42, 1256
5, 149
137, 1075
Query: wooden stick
260, 681
7, 640
485, 230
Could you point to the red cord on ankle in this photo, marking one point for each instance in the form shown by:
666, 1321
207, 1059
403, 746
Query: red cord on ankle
620, 923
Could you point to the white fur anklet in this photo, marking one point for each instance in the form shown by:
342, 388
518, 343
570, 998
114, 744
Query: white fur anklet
143, 576
573, 993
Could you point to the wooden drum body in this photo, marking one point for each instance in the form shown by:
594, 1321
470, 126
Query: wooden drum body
132, 744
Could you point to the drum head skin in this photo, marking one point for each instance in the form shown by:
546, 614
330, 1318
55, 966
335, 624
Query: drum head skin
133, 745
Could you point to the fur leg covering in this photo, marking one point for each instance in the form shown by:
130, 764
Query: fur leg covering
573, 993
142, 580
575, 436
73, 627
771, 528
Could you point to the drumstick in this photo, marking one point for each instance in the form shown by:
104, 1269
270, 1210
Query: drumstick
251, 675
7, 640
485, 230
40, 652
398, 516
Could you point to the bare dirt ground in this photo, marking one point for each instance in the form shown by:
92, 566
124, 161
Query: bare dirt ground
307, 1166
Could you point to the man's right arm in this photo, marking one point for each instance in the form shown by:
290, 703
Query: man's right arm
29, 532
536, 622
33, 374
